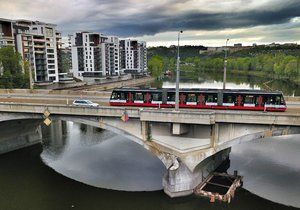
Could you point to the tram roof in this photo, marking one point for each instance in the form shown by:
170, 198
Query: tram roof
196, 90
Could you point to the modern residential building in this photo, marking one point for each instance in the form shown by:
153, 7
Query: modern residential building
37, 43
6, 33
95, 55
133, 56
113, 65
143, 56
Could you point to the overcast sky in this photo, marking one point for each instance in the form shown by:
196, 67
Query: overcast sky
206, 22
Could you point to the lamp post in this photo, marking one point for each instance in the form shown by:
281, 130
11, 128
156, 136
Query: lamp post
177, 76
225, 66
1, 39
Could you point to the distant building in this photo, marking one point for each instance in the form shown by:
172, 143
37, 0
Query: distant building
38, 42
94, 55
6, 33
133, 56
238, 45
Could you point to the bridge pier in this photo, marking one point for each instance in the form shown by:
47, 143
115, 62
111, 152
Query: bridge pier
19, 134
180, 181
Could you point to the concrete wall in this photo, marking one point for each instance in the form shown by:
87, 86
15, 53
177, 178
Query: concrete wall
18, 134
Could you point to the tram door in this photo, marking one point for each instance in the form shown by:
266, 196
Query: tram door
129, 97
260, 101
239, 100
182, 98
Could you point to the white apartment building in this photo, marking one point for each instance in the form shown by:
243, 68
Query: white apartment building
114, 56
133, 56
94, 55
37, 43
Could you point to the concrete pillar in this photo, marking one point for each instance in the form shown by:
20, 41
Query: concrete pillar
179, 128
180, 181
146, 131
214, 135
19, 134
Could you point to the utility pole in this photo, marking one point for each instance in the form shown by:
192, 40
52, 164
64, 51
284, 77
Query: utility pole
30, 71
177, 76
225, 66
30, 77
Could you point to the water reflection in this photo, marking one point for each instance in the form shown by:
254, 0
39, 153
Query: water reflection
101, 158
271, 168
234, 81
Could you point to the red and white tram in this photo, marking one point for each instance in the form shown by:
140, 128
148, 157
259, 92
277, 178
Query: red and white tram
256, 100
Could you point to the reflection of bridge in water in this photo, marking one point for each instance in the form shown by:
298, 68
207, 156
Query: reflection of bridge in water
190, 143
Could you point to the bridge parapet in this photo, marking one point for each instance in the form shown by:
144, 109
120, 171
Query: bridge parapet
268, 118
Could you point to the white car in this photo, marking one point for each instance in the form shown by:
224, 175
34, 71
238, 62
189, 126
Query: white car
82, 102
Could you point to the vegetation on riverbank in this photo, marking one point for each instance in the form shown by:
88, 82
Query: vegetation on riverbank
11, 73
273, 62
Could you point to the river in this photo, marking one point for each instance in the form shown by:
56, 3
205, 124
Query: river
234, 81
44, 176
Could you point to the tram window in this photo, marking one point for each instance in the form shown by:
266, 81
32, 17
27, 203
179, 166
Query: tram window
138, 96
114, 95
156, 97
228, 99
118, 96
171, 97
249, 99
122, 96
191, 97
210, 98
278, 100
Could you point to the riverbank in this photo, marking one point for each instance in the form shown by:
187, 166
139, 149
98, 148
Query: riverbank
295, 80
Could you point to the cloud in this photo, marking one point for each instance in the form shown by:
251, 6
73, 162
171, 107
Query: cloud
156, 21
158, 18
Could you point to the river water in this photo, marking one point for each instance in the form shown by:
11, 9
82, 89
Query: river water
234, 81
44, 176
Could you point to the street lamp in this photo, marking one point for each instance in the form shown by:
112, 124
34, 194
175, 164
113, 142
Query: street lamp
225, 66
1, 39
177, 76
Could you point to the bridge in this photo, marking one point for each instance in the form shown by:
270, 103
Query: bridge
190, 143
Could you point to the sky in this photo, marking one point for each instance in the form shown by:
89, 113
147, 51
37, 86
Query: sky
204, 22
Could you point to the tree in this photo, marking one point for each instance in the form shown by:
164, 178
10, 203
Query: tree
12, 75
291, 68
155, 66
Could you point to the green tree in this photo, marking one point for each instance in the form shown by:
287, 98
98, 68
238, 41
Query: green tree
155, 66
291, 68
11, 75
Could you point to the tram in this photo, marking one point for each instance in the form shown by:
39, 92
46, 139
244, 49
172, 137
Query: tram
256, 100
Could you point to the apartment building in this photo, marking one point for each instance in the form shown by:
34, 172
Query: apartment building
133, 56
94, 55
143, 57
6, 33
38, 42
113, 56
